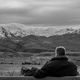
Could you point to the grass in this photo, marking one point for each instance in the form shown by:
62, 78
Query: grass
10, 73
11, 66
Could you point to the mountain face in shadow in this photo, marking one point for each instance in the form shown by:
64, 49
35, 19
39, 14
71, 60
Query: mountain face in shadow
36, 44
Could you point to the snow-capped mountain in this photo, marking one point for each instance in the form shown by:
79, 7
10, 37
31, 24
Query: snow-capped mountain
17, 37
24, 30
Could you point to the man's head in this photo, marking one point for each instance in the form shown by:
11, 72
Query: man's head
60, 51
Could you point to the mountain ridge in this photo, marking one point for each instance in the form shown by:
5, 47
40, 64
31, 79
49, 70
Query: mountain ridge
67, 37
24, 30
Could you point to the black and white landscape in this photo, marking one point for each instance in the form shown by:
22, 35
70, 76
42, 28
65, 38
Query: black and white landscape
30, 30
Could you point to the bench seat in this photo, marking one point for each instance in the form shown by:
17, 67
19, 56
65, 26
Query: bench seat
32, 78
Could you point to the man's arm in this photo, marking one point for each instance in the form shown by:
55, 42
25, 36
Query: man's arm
39, 73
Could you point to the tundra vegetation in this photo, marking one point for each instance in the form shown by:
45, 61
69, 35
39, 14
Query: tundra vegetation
11, 66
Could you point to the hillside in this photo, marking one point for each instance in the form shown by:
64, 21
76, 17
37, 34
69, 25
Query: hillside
32, 43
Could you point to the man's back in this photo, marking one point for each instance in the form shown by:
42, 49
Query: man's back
63, 67
58, 67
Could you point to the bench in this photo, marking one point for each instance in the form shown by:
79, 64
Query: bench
32, 78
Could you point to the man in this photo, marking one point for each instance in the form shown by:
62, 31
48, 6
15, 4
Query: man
58, 66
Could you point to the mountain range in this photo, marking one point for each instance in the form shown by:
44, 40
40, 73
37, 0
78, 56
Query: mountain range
24, 30
35, 39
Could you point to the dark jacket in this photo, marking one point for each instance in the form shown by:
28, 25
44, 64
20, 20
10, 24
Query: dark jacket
57, 67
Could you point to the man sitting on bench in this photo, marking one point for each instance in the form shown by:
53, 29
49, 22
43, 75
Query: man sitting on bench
59, 66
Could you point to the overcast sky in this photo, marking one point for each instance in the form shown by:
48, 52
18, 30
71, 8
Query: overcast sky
49, 12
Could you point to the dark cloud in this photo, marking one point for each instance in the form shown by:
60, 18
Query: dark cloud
54, 12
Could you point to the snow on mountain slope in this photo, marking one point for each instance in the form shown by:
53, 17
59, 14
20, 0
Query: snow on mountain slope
64, 31
24, 30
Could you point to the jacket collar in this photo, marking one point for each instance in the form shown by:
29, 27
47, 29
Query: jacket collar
59, 58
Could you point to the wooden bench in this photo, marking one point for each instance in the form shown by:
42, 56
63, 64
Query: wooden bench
32, 78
